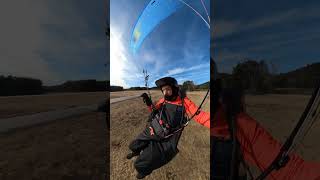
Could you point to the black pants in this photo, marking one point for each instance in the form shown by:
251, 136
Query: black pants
221, 155
155, 152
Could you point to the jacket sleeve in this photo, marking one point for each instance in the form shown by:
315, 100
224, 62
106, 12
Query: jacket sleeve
202, 118
260, 148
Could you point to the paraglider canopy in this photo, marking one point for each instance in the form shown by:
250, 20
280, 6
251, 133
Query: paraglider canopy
155, 12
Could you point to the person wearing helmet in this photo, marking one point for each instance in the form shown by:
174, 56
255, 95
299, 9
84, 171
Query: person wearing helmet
157, 144
238, 140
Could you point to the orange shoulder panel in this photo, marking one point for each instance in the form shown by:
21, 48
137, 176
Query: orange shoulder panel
260, 148
202, 118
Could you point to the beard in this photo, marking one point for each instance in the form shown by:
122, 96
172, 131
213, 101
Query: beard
170, 98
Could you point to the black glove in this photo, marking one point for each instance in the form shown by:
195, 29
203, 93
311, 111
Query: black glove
146, 99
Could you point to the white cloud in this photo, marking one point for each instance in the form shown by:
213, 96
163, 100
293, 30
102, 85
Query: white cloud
200, 66
181, 80
176, 71
180, 70
183, 74
123, 71
118, 59
196, 76
148, 58
226, 27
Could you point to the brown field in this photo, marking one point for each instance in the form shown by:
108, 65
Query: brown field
279, 114
129, 93
22, 105
75, 148
128, 119
68, 149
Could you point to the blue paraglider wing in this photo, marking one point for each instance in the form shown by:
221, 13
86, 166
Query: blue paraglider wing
155, 12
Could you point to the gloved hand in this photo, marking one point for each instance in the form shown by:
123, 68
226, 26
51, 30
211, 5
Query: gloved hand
146, 99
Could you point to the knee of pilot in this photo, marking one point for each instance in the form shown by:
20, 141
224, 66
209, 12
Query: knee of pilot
137, 162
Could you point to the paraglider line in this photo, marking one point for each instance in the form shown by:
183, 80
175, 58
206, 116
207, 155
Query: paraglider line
195, 12
205, 10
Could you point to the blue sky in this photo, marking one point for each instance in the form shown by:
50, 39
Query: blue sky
285, 33
53, 41
178, 47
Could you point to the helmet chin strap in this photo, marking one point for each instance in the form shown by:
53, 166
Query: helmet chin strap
170, 98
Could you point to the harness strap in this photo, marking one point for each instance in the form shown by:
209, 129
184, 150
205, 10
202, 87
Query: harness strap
165, 126
198, 110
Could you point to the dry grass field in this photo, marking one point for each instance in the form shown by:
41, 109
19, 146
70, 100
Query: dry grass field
279, 115
68, 149
76, 148
22, 105
118, 94
128, 119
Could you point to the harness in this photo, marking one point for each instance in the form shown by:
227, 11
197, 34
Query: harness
169, 120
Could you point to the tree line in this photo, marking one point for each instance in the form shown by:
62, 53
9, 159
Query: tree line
259, 77
253, 76
11, 86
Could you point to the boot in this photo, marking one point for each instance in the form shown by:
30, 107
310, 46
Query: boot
140, 176
132, 154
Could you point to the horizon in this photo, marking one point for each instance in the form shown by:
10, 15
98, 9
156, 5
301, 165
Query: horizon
278, 73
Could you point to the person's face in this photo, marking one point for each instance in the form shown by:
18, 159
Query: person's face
166, 90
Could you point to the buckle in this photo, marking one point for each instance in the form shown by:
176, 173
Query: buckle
151, 131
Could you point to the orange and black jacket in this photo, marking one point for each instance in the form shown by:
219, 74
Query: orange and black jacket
259, 148
190, 108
